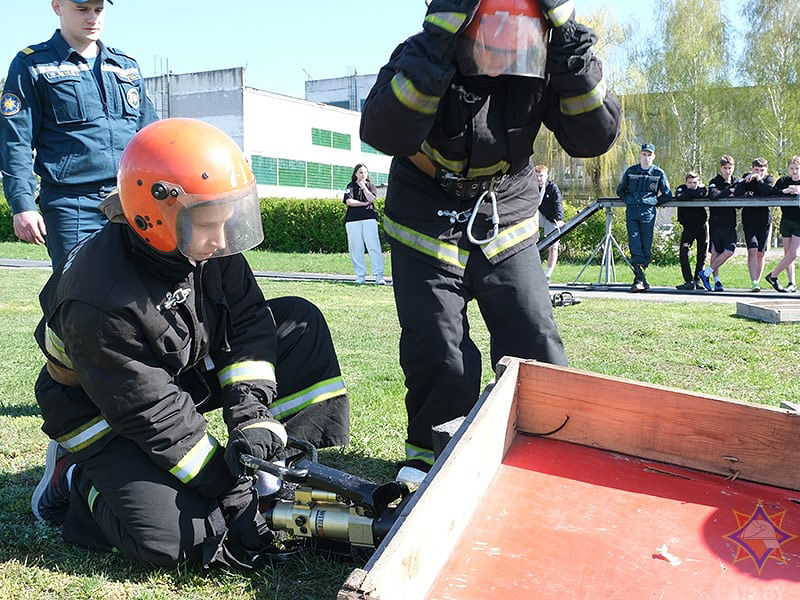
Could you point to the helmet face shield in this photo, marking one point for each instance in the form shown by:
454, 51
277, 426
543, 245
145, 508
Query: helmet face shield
503, 44
211, 226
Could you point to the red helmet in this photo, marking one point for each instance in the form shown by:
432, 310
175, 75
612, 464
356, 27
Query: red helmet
505, 37
185, 185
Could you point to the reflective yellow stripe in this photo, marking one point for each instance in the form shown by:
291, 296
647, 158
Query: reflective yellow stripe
561, 14
456, 166
449, 21
93, 496
247, 370
272, 426
584, 103
197, 458
83, 436
411, 97
287, 406
498, 167
55, 348
441, 251
511, 236
416, 453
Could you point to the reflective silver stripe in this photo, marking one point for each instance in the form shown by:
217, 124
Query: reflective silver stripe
441, 251
584, 103
498, 167
82, 437
197, 458
456, 166
289, 405
92, 498
55, 348
274, 427
247, 370
511, 236
416, 453
59, 69
561, 14
449, 21
411, 97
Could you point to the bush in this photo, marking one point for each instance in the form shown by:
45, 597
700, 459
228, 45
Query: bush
313, 225
6, 222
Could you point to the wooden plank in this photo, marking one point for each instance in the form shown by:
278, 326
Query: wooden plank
567, 521
753, 442
410, 558
770, 311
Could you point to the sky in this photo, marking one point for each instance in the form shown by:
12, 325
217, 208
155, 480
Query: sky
280, 44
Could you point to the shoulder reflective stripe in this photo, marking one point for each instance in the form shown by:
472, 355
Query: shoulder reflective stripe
287, 406
449, 21
416, 453
498, 167
446, 253
55, 347
511, 236
561, 14
274, 427
92, 498
456, 166
411, 97
248, 370
197, 458
80, 438
584, 103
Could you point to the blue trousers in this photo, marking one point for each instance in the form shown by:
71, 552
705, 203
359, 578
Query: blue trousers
640, 220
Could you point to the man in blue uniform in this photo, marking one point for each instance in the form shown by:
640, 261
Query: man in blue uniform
459, 105
76, 103
642, 187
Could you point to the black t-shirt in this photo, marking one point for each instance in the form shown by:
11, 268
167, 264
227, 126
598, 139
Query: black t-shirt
359, 213
790, 212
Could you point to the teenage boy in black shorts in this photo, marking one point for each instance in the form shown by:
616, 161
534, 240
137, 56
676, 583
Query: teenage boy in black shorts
790, 227
756, 220
722, 223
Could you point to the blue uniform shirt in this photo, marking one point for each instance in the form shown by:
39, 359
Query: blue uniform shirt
640, 186
52, 103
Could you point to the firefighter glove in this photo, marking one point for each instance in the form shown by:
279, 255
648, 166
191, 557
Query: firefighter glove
572, 54
248, 534
264, 438
449, 17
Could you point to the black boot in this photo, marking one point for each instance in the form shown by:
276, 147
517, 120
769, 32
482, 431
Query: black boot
638, 279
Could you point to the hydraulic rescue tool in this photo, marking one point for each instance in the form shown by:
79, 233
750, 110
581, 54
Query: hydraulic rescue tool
330, 506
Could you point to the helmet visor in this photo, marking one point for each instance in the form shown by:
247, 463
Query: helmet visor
211, 226
504, 44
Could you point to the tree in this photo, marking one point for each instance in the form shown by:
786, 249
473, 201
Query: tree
771, 63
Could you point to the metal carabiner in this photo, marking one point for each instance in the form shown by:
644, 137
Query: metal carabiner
495, 218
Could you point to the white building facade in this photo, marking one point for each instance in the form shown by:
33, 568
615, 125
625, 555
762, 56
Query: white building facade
297, 148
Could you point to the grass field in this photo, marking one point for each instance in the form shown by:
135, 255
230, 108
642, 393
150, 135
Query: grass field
702, 347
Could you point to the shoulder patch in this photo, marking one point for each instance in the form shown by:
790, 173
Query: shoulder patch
10, 104
28, 50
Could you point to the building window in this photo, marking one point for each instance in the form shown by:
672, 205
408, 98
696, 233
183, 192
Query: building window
292, 172
265, 169
367, 149
319, 175
330, 139
299, 173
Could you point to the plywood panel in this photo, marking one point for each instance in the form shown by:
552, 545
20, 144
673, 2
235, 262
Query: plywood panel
753, 442
566, 521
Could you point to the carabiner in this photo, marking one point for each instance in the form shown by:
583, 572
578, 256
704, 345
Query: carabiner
495, 218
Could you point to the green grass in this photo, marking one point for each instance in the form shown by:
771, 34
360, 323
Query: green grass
701, 347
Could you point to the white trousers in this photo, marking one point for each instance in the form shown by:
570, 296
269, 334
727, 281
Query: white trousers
361, 234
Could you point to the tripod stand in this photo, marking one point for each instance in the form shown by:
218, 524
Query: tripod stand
607, 245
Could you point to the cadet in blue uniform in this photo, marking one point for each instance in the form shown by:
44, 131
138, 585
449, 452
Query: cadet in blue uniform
643, 187
459, 105
76, 103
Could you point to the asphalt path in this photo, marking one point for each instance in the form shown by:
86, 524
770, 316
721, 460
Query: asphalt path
579, 290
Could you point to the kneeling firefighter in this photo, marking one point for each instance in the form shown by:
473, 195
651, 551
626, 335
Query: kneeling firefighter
459, 105
153, 321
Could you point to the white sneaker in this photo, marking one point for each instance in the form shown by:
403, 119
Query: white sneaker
359, 280
379, 280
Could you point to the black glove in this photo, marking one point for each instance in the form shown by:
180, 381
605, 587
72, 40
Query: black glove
449, 17
559, 13
248, 535
572, 54
263, 438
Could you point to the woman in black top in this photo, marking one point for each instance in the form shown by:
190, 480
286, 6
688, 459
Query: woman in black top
361, 222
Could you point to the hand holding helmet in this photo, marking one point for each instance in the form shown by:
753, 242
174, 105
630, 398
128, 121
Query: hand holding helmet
449, 17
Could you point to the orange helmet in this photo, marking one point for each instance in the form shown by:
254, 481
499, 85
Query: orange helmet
185, 185
505, 37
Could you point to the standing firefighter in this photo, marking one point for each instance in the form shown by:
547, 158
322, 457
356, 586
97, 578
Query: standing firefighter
459, 106
155, 320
